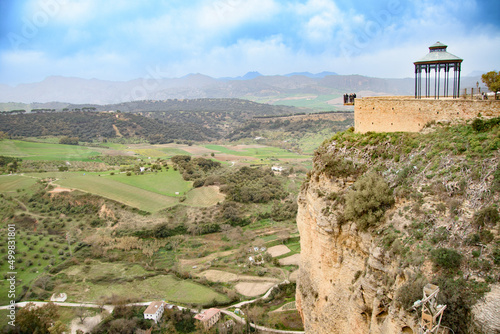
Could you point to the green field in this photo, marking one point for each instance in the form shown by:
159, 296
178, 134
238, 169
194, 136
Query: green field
165, 183
266, 152
171, 151
162, 287
311, 101
156, 151
45, 151
149, 192
97, 271
120, 192
34, 254
150, 152
11, 183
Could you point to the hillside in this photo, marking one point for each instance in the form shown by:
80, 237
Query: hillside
164, 121
92, 126
382, 214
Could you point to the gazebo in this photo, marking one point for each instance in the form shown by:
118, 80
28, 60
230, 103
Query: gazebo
437, 59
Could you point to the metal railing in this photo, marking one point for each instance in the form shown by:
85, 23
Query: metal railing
478, 93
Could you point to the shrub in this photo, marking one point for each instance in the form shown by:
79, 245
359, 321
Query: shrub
486, 216
410, 292
368, 200
441, 234
459, 295
496, 256
337, 167
446, 258
486, 236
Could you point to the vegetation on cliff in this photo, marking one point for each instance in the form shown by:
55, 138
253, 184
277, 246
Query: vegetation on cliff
430, 199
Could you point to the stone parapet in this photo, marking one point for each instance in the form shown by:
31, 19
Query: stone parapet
407, 114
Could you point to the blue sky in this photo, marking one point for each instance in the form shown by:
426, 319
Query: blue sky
128, 39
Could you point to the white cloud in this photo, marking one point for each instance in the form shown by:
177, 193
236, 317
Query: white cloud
320, 17
226, 14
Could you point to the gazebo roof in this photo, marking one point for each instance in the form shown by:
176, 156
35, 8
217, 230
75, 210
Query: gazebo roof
438, 54
438, 45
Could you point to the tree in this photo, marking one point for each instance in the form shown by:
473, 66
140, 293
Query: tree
81, 313
492, 81
33, 319
44, 282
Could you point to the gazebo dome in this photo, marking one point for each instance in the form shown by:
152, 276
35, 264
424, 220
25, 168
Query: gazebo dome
438, 54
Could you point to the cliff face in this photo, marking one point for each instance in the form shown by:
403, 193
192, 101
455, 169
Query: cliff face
346, 280
358, 279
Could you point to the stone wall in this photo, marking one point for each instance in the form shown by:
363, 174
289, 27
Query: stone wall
400, 113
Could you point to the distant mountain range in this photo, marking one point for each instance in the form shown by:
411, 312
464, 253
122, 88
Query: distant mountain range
252, 86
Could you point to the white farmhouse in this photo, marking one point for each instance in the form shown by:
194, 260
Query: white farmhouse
155, 311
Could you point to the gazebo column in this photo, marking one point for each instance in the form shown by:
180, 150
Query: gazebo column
439, 79
416, 81
428, 81
448, 90
435, 81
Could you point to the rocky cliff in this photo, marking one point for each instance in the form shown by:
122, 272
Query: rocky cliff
383, 214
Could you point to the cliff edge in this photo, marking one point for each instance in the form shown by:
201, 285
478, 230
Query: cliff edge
382, 214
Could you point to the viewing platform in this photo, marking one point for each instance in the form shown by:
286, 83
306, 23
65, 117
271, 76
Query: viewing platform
407, 114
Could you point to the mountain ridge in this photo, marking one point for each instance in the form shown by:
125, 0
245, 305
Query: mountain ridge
253, 84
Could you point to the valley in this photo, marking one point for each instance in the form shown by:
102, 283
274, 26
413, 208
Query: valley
175, 221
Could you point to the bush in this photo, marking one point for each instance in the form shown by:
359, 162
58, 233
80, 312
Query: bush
446, 258
337, 167
410, 292
459, 295
284, 210
486, 216
368, 200
496, 256
441, 234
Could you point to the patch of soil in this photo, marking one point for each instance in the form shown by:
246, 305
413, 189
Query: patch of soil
60, 190
293, 276
291, 260
88, 324
230, 157
278, 250
219, 276
253, 289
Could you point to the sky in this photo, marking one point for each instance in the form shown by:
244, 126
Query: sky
122, 40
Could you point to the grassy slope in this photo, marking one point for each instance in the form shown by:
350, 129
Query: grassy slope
164, 183
259, 153
121, 192
45, 151
149, 192
164, 287
203, 197
9, 183
26, 273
